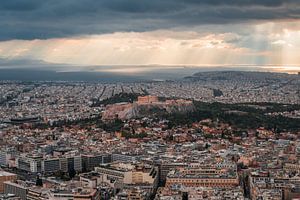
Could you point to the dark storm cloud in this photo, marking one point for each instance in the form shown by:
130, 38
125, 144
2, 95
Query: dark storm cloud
31, 19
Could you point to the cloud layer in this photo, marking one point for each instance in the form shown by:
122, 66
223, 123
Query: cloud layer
144, 32
267, 44
36, 19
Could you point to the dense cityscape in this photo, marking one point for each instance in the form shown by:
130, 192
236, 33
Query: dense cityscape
149, 100
204, 137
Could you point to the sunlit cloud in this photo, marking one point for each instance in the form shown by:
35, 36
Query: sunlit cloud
159, 47
268, 44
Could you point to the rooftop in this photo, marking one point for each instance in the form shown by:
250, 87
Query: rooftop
4, 173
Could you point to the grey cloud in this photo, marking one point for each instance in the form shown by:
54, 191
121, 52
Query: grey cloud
33, 19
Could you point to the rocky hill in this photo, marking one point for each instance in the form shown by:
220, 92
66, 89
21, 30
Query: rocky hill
139, 110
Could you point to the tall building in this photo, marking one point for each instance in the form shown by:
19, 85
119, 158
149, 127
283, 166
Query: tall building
165, 168
89, 162
6, 155
6, 176
71, 163
30, 163
128, 176
50, 165
16, 189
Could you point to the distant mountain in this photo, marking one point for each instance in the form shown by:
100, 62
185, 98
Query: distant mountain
39, 70
25, 74
239, 75
21, 62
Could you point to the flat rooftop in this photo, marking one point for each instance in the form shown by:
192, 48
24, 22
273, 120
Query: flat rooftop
4, 173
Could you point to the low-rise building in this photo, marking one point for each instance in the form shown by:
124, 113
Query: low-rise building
216, 176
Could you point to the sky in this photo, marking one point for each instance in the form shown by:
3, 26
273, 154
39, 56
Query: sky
157, 32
